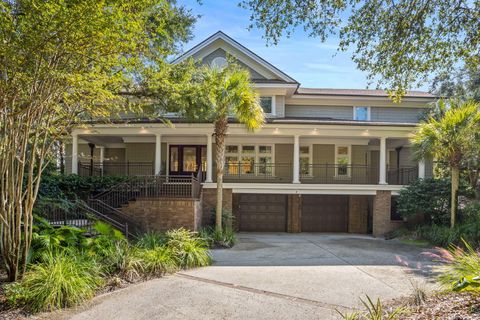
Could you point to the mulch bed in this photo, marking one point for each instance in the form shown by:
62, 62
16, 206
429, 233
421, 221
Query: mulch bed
446, 306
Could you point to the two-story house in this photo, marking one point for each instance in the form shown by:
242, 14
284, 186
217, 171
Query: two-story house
327, 160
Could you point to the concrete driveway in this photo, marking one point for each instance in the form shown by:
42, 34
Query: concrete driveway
274, 276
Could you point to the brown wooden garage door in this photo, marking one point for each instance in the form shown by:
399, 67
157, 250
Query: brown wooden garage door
322, 213
262, 212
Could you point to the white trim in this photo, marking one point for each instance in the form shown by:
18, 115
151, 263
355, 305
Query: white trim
294, 188
421, 169
272, 106
239, 47
369, 113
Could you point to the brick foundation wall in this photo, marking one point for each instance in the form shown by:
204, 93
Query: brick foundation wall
156, 214
381, 214
209, 199
358, 214
294, 213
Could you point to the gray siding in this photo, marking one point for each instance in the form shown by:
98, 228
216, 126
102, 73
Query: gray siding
332, 112
406, 158
284, 159
396, 114
280, 106
386, 114
221, 53
140, 152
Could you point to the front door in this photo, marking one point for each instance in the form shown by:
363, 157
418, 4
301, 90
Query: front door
187, 159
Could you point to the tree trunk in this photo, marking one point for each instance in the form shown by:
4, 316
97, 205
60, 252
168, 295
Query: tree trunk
221, 126
61, 157
454, 194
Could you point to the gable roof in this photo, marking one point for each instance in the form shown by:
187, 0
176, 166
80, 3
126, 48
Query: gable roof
222, 36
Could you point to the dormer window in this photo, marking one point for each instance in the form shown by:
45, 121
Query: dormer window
361, 113
268, 105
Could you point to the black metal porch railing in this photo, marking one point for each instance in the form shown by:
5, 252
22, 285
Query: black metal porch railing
402, 175
79, 215
116, 168
258, 172
316, 173
339, 174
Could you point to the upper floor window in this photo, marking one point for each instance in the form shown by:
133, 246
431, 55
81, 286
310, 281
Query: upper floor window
361, 113
268, 105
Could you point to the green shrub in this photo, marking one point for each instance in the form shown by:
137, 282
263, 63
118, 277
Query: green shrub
47, 240
58, 281
156, 262
445, 236
215, 239
430, 197
72, 186
189, 250
151, 240
462, 271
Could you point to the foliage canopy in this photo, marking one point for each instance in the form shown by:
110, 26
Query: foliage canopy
399, 43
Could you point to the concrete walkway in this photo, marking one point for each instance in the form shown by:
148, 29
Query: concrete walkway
274, 276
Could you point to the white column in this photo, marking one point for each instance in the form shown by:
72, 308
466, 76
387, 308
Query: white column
383, 161
102, 158
74, 153
158, 153
296, 159
209, 159
421, 169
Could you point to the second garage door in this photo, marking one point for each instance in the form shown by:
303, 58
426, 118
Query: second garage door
322, 213
262, 212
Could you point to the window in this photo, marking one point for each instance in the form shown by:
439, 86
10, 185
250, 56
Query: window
305, 169
231, 160
219, 63
342, 157
249, 159
361, 113
267, 104
265, 160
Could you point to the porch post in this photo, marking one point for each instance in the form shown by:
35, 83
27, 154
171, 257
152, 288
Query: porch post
383, 161
74, 153
209, 159
296, 159
158, 153
102, 158
421, 169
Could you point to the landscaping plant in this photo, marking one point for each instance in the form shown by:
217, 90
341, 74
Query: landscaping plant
60, 280
462, 271
218, 239
188, 249
451, 138
374, 311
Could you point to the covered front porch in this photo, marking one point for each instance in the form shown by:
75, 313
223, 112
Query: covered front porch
353, 155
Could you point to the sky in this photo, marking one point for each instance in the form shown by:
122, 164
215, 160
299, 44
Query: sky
309, 61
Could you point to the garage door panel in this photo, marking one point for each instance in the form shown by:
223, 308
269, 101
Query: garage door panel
321, 213
262, 212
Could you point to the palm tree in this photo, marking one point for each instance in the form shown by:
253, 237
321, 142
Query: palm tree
227, 93
450, 138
